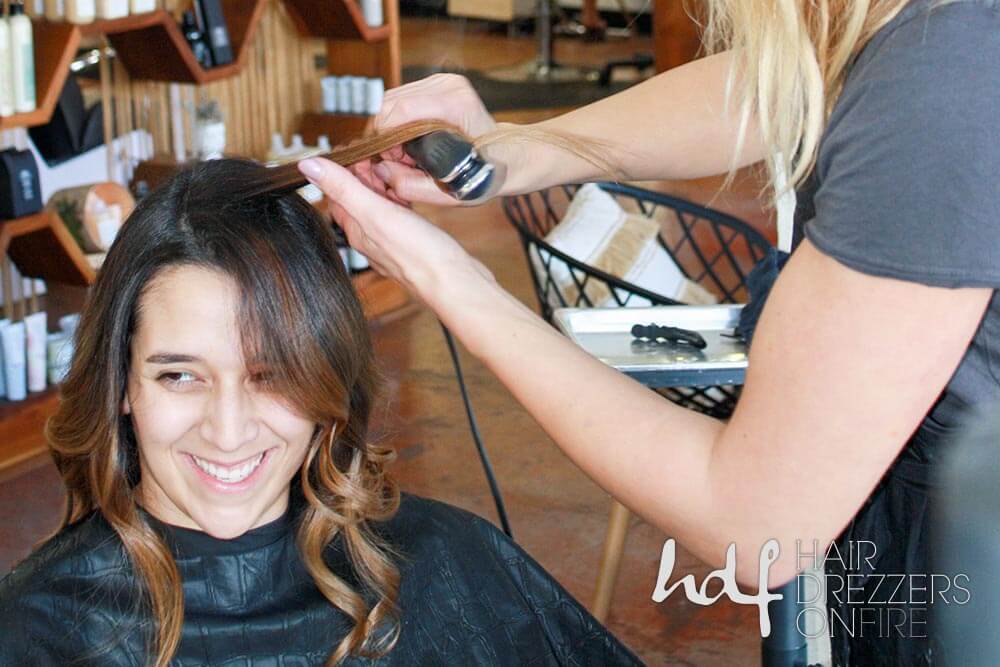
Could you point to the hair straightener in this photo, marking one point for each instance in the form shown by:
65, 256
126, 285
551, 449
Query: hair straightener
454, 163
447, 156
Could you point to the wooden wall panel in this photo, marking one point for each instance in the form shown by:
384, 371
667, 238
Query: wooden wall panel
269, 95
676, 35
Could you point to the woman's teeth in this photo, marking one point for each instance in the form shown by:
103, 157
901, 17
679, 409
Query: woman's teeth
229, 475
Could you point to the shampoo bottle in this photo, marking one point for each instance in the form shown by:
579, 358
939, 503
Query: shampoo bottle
22, 57
6, 71
80, 11
55, 10
112, 9
142, 6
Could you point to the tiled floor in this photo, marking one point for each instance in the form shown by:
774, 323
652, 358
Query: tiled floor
557, 514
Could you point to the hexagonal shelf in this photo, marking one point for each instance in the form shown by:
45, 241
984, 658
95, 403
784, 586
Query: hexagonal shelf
152, 47
55, 46
339, 19
42, 247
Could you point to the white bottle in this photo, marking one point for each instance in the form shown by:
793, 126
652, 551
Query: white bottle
35, 9
22, 57
143, 6
112, 9
328, 84
277, 146
55, 10
81, 11
358, 90
374, 92
6, 70
371, 10
344, 94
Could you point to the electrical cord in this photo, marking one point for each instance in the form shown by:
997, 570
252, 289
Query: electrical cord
474, 428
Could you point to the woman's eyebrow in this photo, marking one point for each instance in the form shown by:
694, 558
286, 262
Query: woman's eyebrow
171, 358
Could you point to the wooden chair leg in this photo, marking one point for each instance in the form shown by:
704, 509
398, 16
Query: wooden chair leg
614, 545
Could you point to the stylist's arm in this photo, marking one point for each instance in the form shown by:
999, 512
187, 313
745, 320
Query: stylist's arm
810, 437
696, 135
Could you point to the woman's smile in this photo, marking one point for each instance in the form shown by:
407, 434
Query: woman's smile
234, 478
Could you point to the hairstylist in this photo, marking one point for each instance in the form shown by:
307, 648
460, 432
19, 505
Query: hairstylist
878, 335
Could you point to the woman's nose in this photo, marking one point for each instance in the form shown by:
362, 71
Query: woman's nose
230, 421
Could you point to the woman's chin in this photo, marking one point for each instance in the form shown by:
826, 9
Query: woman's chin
228, 525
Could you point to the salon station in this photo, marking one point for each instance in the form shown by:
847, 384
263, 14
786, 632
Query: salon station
107, 105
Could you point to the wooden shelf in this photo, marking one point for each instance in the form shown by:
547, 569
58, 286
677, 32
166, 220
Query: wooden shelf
340, 128
42, 247
151, 46
335, 19
21, 424
55, 46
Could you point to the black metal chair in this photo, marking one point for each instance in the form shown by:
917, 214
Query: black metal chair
711, 248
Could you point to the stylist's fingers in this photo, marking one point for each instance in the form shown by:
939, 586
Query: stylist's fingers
447, 97
411, 184
363, 171
397, 154
396, 240
359, 203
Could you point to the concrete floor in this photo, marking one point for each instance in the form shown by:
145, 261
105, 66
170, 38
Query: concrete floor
557, 514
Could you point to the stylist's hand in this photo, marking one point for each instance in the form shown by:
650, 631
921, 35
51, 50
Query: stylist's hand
398, 242
447, 97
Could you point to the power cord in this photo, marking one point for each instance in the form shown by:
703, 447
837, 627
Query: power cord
474, 428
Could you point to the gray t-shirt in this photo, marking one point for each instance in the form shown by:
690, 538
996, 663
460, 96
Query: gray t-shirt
907, 182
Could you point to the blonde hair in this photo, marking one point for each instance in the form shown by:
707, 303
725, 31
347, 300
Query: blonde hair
793, 57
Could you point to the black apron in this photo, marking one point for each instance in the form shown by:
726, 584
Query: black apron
895, 518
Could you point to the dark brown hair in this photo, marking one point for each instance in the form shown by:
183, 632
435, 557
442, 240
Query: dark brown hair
299, 318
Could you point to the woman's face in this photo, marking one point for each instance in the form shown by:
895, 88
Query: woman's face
217, 451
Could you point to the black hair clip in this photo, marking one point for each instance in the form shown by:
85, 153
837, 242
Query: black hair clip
656, 332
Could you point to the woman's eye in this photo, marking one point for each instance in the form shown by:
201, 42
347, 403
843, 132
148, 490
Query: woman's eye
175, 379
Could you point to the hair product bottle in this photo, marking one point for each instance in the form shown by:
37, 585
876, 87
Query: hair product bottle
112, 9
55, 10
371, 10
6, 71
22, 57
35, 329
12, 337
143, 6
80, 11
196, 40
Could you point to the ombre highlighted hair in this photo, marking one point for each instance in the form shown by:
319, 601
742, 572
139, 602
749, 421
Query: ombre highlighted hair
300, 318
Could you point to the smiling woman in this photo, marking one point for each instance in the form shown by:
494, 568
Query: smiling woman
218, 448
223, 503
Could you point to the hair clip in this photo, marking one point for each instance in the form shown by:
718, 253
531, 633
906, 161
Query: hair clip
656, 332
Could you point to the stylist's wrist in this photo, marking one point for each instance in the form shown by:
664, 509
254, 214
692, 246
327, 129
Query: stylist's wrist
519, 160
438, 281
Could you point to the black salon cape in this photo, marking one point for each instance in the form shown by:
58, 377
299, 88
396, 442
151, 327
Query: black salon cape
469, 596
